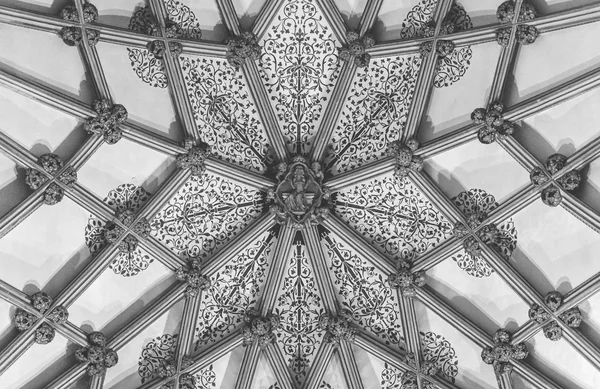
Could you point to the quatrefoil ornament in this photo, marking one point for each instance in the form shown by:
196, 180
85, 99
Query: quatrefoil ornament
571, 317
551, 195
42, 302
107, 122
97, 356
52, 164
503, 352
525, 34
495, 127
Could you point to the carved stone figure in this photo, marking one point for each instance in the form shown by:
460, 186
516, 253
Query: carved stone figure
195, 157
242, 48
571, 317
97, 355
260, 329
338, 328
494, 125
356, 49
503, 351
405, 280
108, 120
300, 197
195, 280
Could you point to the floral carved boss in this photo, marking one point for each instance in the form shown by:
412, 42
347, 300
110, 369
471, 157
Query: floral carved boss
299, 199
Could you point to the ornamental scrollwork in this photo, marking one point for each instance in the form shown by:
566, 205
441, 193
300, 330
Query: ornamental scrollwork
299, 66
394, 216
233, 291
225, 111
195, 281
41, 302
375, 113
365, 293
107, 122
571, 317
242, 48
97, 356
551, 194
503, 352
300, 199
195, 157
53, 165
125, 200
476, 204
525, 34
338, 328
495, 127
204, 214
356, 49
299, 308
405, 280
439, 355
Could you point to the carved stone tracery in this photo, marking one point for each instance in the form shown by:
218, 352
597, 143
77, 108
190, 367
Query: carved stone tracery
107, 122
300, 198
52, 164
503, 352
494, 125
551, 194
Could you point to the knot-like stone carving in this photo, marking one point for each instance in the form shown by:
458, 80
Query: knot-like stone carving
356, 49
73, 36
525, 34
551, 194
97, 355
337, 328
90, 13
260, 329
503, 352
406, 160
159, 49
51, 164
300, 198
443, 48
195, 157
571, 317
42, 302
494, 125
405, 280
429, 368
108, 120
242, 48
196, 282
506, 12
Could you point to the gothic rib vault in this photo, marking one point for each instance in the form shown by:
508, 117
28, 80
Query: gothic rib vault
308, 194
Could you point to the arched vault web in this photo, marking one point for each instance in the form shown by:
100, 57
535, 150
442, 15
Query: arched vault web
311, 235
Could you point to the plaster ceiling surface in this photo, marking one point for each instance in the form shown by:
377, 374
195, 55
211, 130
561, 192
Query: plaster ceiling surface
399, 240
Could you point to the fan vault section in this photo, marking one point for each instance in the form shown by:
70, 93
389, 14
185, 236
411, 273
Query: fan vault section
285, 224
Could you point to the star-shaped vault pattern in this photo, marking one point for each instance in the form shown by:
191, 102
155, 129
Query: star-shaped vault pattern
273, 202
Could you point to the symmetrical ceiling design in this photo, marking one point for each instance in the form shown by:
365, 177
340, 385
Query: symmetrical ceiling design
299, 194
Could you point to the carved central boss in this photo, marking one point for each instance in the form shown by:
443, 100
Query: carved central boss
299, 199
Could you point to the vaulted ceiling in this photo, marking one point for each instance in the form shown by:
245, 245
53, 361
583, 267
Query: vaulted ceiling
299, 194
